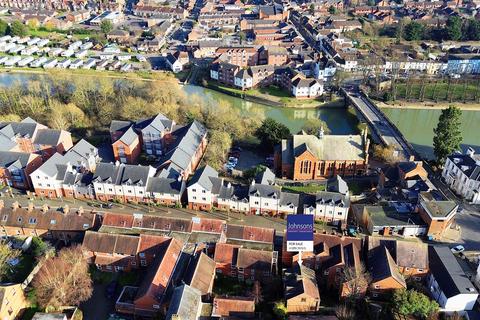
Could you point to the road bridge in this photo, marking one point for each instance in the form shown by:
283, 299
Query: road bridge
382, 130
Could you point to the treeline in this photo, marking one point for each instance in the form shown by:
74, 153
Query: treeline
455, 29
86, 106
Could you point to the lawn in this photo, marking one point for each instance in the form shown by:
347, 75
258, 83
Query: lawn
308, 188
439, 91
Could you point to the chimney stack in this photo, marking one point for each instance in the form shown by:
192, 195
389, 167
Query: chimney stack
45, 208
2, 204
30, 207
15, 205
80, 211
66, 209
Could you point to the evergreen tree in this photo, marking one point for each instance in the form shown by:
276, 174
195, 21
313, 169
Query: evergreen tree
414, 31
3, 27
447, 134
271, 132
454, 28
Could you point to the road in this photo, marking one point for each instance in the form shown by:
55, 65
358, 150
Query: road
379, 123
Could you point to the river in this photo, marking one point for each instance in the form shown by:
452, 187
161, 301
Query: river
416, 124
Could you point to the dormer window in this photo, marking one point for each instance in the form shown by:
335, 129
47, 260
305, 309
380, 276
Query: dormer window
53, 221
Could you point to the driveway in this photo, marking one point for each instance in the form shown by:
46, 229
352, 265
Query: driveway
98, 307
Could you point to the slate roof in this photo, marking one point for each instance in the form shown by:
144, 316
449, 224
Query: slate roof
129, 136
337, 184
165, 185
264, 191
17, 159
382, 266
122, 174
332, 198
185, 303
203, 177
448, 273
265, 177
471, 166
49, 137
26, 128
187, 141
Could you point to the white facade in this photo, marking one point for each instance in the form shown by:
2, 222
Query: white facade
197, 194
246, 83
454, 173
176, 66
328, 212
313, 90
459, 303
214, 74
259, 204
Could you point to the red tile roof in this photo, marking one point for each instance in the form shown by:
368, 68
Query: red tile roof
225, 253
250, 233
207, 225
231, 306
255, 259
151, 244
117, 220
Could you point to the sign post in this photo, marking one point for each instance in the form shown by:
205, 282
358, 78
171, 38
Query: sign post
300, 234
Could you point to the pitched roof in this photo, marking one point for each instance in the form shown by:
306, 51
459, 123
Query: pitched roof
265, 177
448, 273
123, 174
165, 185
202, 177
201, 273
405, 253
255, 259
301, 280
111, 243
186, 303
226, 253
233, 306
49, 137
49, 220
151, 245
250, 233
158, 276
16, 159
207, 225
129, 136
382, 266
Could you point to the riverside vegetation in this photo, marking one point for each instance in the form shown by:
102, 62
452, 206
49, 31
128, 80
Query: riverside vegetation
86, 106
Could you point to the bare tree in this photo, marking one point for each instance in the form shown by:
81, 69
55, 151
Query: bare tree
344, 312
355, 280
63, 280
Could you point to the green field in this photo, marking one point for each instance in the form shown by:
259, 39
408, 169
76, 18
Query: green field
439, 91
309, 188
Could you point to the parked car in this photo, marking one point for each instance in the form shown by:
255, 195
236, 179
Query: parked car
458, 249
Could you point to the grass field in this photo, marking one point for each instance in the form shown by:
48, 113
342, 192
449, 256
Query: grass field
439, 91
309, 188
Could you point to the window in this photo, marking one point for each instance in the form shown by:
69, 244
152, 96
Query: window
141, 254
143, 263
32, 220
377, 286
86, 226
194, 190
4, 218
303, 300
19, 219
156, 306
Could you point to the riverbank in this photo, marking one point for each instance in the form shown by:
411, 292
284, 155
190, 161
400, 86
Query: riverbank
139, 75
427, 105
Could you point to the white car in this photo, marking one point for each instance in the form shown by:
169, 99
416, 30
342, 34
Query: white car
458, 249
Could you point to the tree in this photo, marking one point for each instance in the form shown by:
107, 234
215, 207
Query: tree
400, 30
243, 36
106, 26
344, 312
414, 31
473, 30
332, 10
371, 3
18, 29
219, 143
311, 9
3, 27
447, 134
313, 126
6, 255
280, 310
454, 28
33, 23
387, 154
63, 280
271, 132
414, 303
356, 280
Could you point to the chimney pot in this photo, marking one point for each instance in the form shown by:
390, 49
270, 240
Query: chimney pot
80, 211
45, 208
15, 205
2, 204
66, 209
30, 207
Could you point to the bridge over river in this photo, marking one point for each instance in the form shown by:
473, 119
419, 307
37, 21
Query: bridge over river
382, 130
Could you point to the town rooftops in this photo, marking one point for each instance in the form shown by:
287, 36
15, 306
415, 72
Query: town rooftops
255, 259
129, 136
203, 177
201, 273
448, 273
382, 266
469, 163
265, 177
328, 147
165, 185
250, 233
15, 159
301, 280
405, 253
31, 217
226, 253
437, 209
233, 307
185, 303
389, 216
120, 173
49, 137
111, 243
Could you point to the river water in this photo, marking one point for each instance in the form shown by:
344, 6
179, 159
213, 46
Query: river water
416, 124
